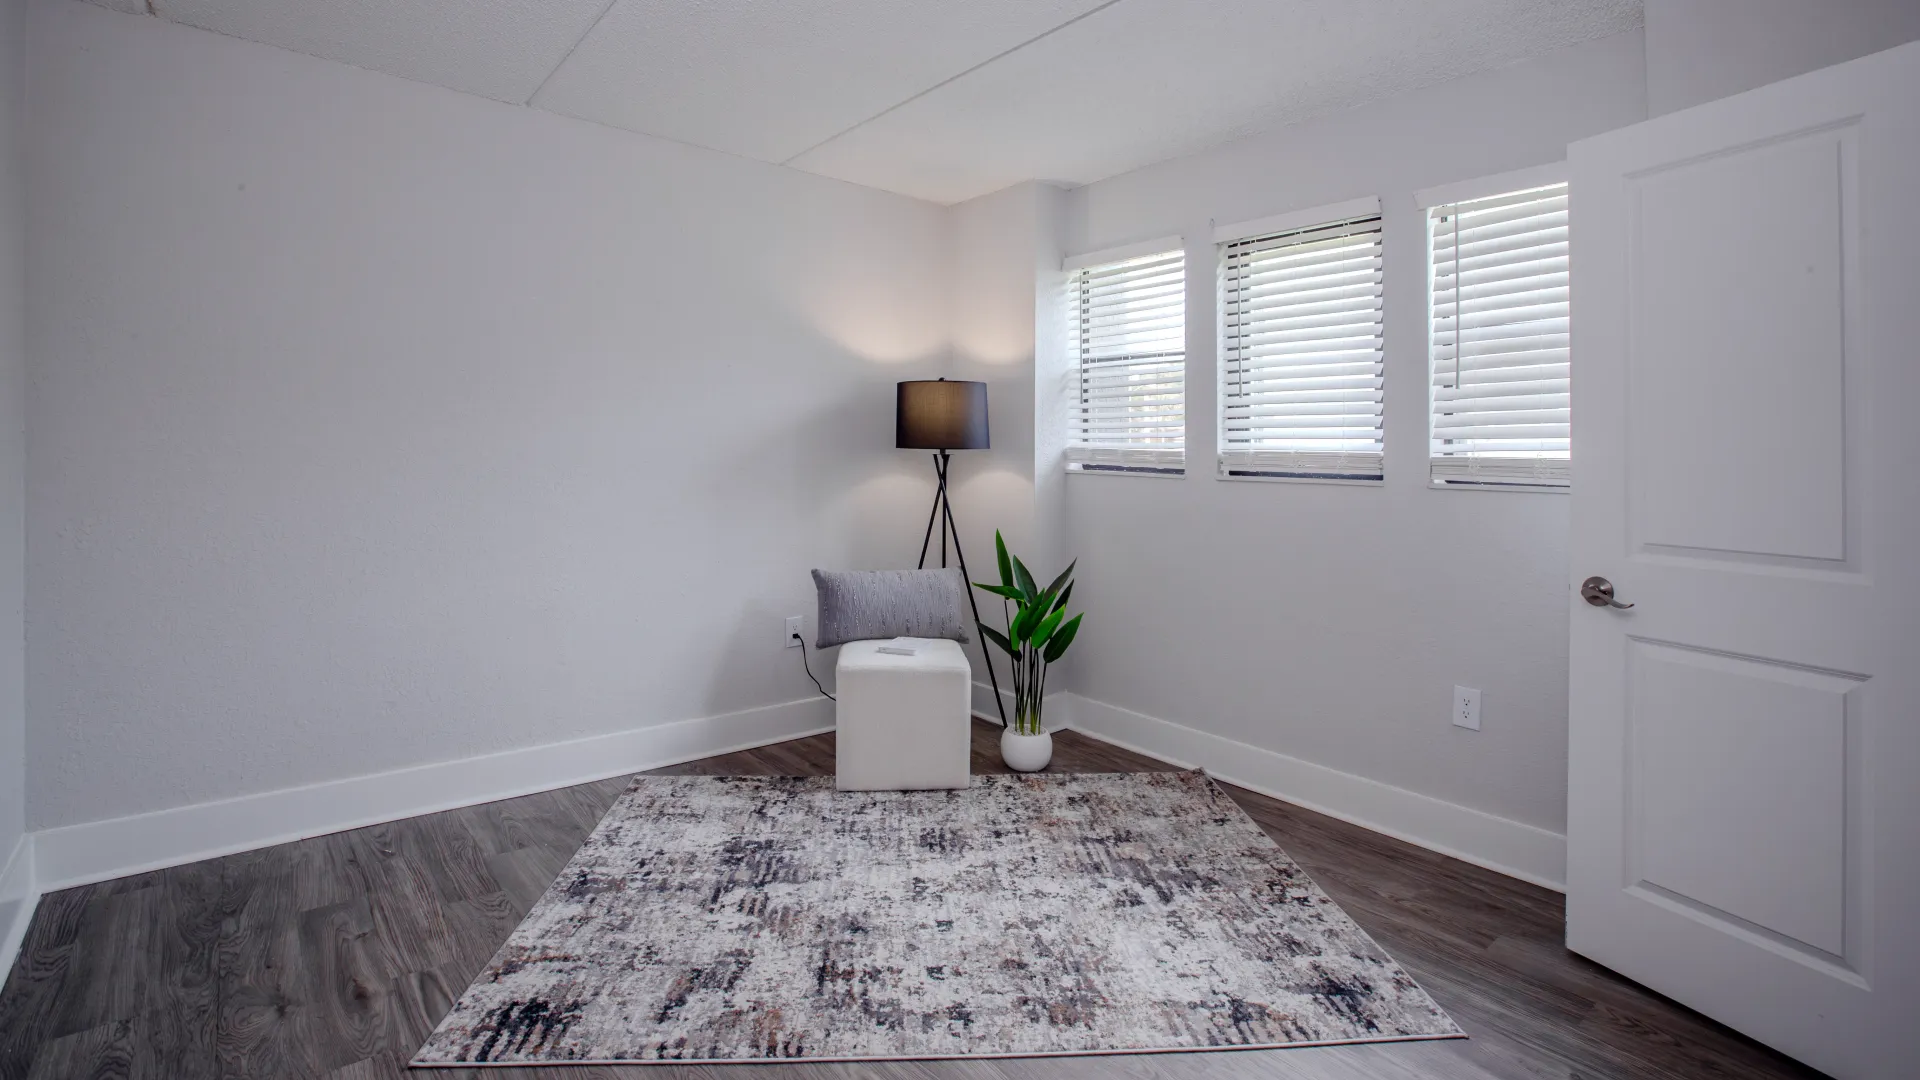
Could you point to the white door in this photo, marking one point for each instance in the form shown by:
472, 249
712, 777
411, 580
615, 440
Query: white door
1744, 759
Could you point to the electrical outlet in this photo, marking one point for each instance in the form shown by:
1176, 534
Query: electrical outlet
1466, 708
793, 631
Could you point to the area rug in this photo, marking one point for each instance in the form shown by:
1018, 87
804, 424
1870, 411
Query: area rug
712, 919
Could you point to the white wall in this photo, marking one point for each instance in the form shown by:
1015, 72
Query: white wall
377, 425
1700, 50
1005, 315
1328, 622
13, 446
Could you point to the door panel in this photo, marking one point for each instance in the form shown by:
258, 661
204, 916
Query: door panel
1744, 742
1738, 781
1736, 259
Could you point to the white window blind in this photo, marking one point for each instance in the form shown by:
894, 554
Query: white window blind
1301, 359
1501, 320
1129, 328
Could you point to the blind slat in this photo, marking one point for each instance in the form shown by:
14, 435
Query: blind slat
1302, 362
1127, 320
1500, 322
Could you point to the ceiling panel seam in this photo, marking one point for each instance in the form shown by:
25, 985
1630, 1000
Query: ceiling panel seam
1001, 55
591, 27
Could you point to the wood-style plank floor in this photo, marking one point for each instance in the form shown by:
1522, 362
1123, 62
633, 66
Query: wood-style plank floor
334, 957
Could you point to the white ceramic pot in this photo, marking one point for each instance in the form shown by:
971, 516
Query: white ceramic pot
1026, 753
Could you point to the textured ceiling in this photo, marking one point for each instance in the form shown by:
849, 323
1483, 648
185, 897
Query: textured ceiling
499, 49
940, 99
771, 80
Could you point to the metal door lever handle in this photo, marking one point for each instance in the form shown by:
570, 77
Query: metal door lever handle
1598, 591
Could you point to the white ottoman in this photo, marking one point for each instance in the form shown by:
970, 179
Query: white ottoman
903, 722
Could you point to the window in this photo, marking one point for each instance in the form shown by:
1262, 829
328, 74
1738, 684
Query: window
1129, 331
1301, 352
1500, 340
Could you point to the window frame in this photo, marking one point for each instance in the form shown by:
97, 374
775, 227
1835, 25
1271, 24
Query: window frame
1497, 185
1224, 236
1164, 462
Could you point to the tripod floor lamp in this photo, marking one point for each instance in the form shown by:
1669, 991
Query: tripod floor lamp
943, 416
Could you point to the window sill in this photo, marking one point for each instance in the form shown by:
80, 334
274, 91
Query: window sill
1271, 478
1536, 489
1151, 472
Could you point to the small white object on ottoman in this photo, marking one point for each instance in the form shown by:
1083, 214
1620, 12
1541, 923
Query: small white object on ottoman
903, 722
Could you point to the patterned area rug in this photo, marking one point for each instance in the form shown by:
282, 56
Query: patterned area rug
749, 918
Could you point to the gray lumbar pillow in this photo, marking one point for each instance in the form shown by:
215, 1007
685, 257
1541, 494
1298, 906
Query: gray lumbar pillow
862, 605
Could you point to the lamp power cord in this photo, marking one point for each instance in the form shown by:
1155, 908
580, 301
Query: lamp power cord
809, 669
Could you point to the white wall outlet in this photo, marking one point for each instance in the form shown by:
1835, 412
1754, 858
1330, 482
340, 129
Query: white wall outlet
1466, 708
793, 631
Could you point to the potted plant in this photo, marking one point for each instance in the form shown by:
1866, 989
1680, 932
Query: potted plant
1038, 633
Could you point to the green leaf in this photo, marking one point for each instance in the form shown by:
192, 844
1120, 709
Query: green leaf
1024, 579
1062, 638
999, 639
1062, 579
1007, 591
1045, 603
1046, 629
1061, 604
1021, 628
1000, 550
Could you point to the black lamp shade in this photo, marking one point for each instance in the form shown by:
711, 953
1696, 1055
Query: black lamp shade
936, 414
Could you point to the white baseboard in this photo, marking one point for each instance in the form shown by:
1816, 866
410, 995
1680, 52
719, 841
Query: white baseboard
99, 850
1055, 715
1509, 847
80, 854
983, 702
16, 884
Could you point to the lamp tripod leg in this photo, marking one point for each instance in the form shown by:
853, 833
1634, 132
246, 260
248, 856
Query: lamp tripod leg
939, 496
986, 654
946, 510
